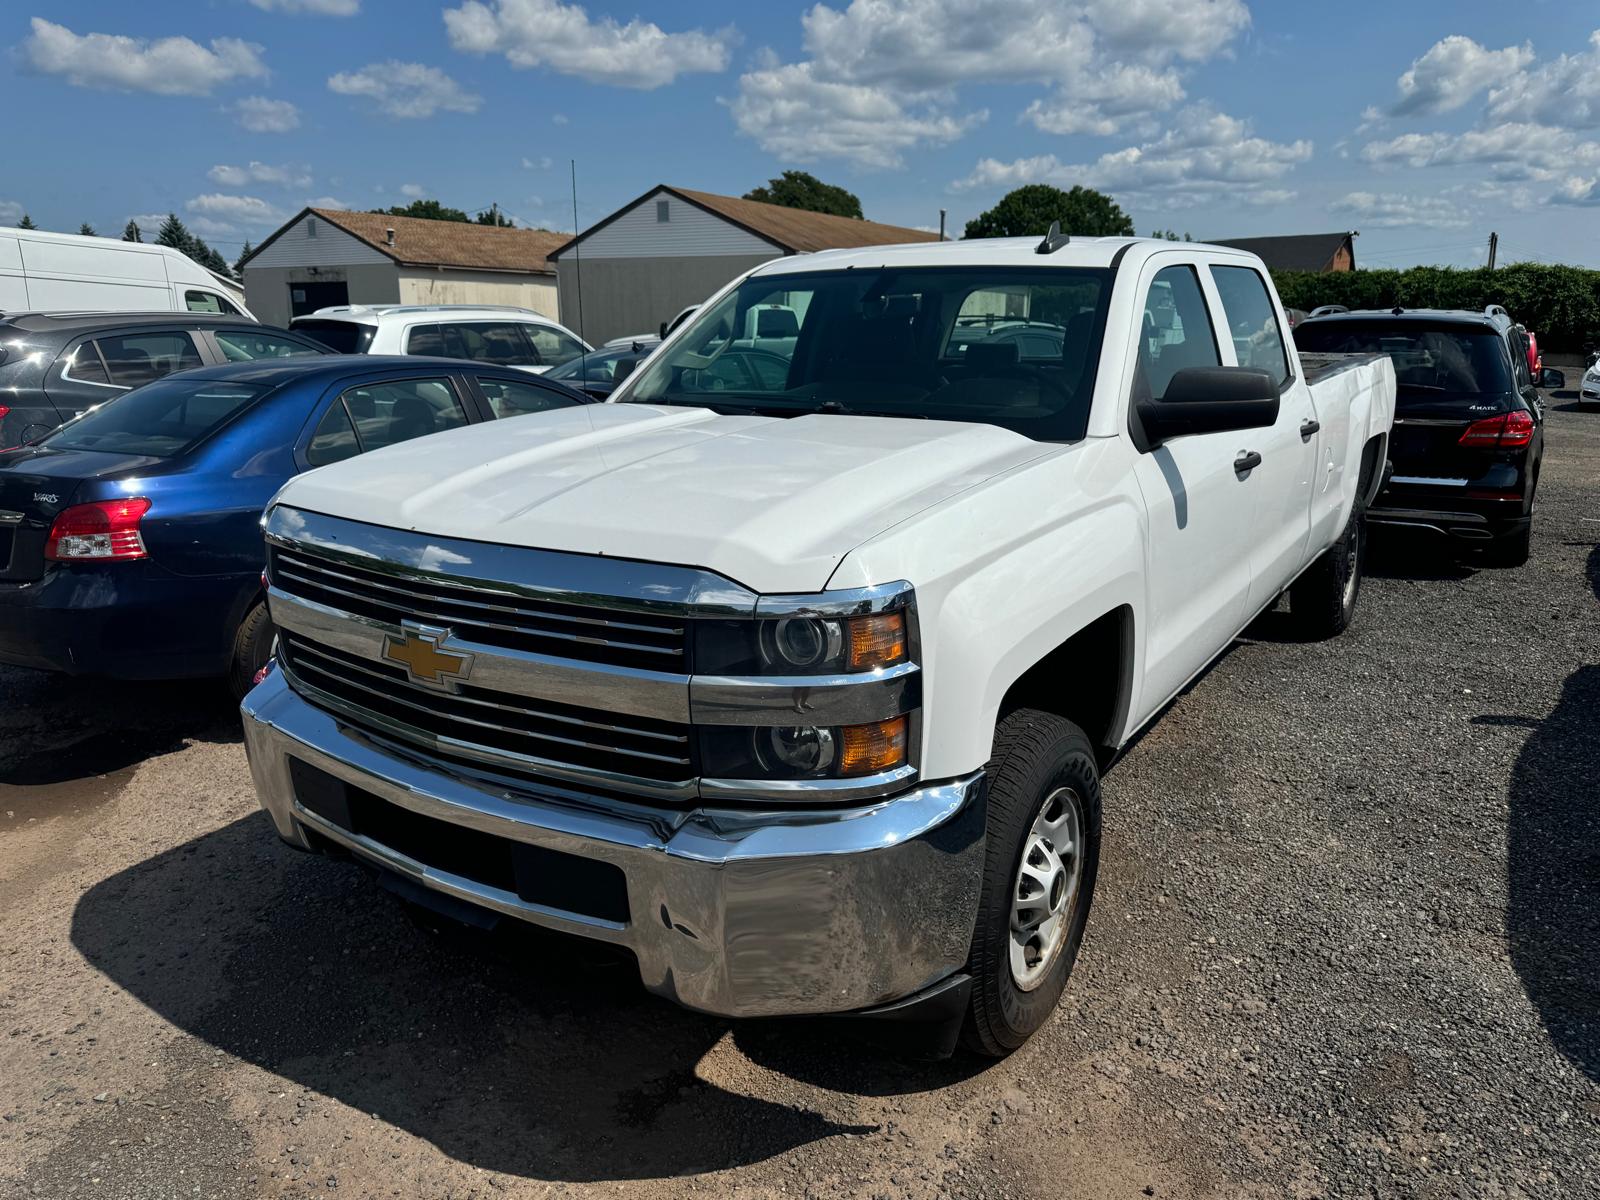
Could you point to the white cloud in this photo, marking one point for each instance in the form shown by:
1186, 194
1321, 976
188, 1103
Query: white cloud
1205, 155
173, 66
1397, 210
317, 8
546, 33
327, 202
260, 115
286, 175
543, 163
800, 118
1564, 92
1110, 66
1511, 151
408, 90
10, 212
233, 211
413, 190
1453, 71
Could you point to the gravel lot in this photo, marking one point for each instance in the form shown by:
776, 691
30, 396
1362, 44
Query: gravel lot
1347, 944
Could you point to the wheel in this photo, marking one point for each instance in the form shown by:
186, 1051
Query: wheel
1322, 601
252, 647
1511, 549
1042, 856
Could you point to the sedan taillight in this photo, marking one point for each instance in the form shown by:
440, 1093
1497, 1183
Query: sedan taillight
102, 530
1510, 429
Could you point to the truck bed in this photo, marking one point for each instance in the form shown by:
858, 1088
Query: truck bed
1319, 366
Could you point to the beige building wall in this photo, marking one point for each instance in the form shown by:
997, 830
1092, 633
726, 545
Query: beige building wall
421, 285
266, 289
623, 296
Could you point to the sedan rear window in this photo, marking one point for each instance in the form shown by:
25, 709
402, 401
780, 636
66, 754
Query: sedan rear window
342, 337
1433, 361
163, 419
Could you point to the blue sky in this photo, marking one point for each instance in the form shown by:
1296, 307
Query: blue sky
1423, 124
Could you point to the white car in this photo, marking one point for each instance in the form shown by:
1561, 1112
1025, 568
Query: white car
1589, 390
796, 677
507, 337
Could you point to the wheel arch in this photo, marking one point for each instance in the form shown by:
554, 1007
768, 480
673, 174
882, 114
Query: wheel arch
1087, 679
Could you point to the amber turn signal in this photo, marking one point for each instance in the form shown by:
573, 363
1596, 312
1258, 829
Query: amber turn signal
876, 641
868, 749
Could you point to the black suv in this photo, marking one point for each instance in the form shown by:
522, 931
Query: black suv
1469, 427
54, 366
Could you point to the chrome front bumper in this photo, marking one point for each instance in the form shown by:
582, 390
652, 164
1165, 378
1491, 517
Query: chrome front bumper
733, 912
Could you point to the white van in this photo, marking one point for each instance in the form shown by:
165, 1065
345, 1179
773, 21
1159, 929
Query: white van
66, 272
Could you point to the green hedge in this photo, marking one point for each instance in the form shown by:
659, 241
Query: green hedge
1560, 304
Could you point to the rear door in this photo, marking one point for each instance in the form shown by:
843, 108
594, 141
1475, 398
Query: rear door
102, 365
366, 414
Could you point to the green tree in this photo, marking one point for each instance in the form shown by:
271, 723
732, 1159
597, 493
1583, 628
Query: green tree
87, 230
493, 216
1171, 235
1027, 211
131, 231
798, 189
175, 233
238, 263
26, 222
428, 210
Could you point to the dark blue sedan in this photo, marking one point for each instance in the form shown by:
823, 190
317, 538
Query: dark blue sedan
130, 538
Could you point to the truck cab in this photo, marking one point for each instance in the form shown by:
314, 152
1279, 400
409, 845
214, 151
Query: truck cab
798, 680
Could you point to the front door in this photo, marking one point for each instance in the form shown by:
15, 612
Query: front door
1201, 511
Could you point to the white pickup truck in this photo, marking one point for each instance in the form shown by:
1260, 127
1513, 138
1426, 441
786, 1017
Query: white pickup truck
793, 668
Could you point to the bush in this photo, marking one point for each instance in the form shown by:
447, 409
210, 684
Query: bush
1560, 304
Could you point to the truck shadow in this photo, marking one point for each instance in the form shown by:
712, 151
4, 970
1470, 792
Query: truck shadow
1553, 865
534, 1055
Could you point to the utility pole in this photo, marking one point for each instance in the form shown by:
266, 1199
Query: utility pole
941, 224
1494, 244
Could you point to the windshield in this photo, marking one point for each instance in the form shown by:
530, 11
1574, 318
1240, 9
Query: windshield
1432, 362
162, 419
1015, 347
598, 366
342, 337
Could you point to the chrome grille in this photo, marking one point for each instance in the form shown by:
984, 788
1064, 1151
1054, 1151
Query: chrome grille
479, 614
524, 736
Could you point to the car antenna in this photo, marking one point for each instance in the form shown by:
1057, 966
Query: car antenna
577, 263
1053, 240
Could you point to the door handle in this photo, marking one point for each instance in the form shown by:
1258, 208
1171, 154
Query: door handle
1308, 428
1248, 460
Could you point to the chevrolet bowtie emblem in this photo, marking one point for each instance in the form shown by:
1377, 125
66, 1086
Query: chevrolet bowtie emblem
416, 648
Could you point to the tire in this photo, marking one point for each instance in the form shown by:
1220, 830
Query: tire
1322, 602
1042, 764
1510, 550
252, 647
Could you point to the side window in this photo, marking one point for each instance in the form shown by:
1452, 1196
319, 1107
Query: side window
553, 346
137, 358
203, 302
426, 339
401, 409
85, 366
1247, 305
510, 399
1177, 329
335, 439
498, 342
243, 345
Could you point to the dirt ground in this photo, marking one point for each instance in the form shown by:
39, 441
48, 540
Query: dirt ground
1346, 943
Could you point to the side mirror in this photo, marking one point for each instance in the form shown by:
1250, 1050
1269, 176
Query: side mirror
1549, 377
1208, 400
663, 331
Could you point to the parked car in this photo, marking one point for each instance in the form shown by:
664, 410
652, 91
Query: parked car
800, 689
130, 537
505, 337
1589, 389
1469, 430
67, 272
646, 341
600, 373
1294, 316
53, 366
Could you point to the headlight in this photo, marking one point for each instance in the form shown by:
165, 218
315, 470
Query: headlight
802, 645
804, 751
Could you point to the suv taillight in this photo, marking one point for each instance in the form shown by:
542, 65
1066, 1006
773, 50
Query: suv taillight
104, 529
1508, 429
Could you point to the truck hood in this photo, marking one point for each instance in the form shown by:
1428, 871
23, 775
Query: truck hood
772, 503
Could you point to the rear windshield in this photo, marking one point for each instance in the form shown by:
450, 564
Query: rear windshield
342, 337
1432, 362
1008, 346
163, 419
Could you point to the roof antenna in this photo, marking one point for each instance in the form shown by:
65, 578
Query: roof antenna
577, 262
1053, 240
